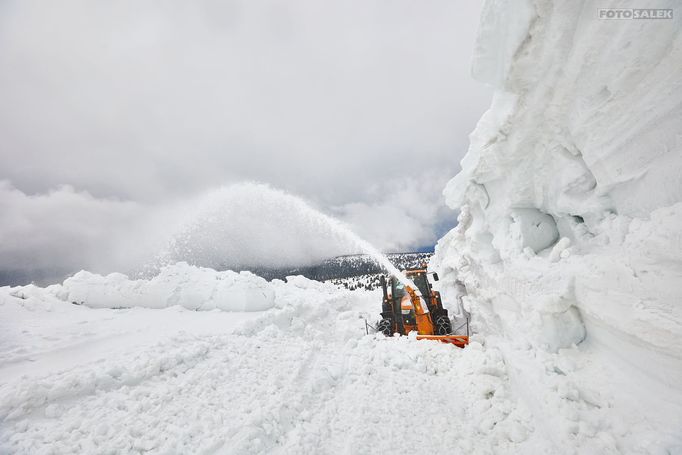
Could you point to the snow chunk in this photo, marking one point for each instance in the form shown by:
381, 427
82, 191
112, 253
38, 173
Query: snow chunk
533, 229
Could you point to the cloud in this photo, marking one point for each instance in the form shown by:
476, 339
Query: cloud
57, 232
237, 226
401, 216
155, 103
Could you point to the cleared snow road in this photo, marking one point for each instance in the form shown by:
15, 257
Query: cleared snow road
299, 378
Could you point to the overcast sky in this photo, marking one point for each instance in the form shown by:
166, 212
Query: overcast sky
116, 116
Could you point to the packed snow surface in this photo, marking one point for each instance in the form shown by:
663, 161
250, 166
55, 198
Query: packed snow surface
300, 377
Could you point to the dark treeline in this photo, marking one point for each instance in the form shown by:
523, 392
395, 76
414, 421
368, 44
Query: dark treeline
344, 267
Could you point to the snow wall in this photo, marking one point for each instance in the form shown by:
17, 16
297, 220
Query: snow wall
570, 230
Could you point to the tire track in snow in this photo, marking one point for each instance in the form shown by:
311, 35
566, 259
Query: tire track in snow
302, 378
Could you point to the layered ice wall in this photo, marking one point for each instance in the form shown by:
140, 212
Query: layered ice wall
570, 198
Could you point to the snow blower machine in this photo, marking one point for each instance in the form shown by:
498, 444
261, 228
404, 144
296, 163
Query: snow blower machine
404, 309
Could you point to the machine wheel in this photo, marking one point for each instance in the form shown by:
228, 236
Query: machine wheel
443, 326
385, 326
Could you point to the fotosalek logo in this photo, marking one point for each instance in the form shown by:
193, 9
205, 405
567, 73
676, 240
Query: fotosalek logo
630, 13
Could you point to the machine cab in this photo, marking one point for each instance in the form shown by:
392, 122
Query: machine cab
401, 299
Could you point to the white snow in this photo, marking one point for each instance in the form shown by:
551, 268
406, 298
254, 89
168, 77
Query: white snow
570, 243
568, 255
191, 287
301, 377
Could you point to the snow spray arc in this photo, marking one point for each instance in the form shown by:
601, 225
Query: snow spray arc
255, 224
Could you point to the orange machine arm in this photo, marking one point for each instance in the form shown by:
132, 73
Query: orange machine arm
424, 323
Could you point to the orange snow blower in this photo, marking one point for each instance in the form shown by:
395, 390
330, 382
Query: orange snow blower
404, 310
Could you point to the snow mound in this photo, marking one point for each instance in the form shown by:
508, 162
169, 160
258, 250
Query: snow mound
183, 285
571, 209
194, 288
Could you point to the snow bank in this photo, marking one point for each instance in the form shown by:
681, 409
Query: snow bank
571, 211
190, 287
195, 288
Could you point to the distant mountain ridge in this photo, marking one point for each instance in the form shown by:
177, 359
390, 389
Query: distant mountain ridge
343, 267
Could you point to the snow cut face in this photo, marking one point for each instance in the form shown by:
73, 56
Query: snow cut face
571, 201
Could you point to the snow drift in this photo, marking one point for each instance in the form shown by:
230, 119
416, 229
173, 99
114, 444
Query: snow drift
569, 239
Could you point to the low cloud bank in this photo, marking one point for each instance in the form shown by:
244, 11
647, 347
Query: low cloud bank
48, 236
